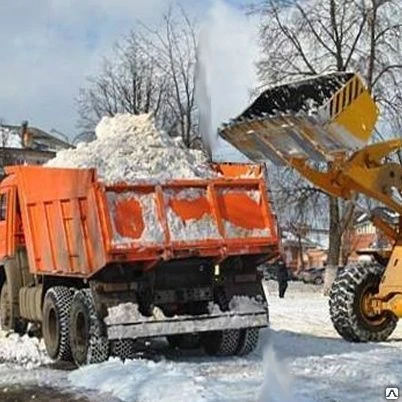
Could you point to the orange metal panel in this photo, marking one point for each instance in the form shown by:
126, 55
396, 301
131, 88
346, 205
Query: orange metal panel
239, 209
238, 170
190, 209
62, 233
74, 225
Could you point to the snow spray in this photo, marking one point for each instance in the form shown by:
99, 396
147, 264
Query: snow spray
277, 381
226, 73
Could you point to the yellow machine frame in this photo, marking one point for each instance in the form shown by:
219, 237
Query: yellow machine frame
271, 129
366, 172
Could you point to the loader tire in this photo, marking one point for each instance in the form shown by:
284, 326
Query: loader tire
347, 308
248, 341
123, 348
9, 319
55, 322
88, 339
184, 341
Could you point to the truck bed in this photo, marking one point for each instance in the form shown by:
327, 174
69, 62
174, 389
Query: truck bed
75, 225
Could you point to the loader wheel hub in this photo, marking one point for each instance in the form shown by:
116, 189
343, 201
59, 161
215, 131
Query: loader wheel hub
366, 307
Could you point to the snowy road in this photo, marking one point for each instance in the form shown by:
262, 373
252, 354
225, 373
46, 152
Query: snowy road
304, 360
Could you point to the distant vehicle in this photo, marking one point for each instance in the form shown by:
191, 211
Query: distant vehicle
313, 275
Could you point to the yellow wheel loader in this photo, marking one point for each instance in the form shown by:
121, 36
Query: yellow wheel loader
331, 119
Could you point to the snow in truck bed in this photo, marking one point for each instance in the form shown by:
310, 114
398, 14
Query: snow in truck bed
305, 360
129, 148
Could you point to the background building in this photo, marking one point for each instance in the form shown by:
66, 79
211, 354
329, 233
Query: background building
23, 144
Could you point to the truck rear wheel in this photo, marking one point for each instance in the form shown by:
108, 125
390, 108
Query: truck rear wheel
88, 339
184, 341
9, 320
123, 348
248, 341
55, 322
221, 343
347, 305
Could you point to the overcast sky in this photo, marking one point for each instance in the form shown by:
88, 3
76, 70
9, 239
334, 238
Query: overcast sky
48, 47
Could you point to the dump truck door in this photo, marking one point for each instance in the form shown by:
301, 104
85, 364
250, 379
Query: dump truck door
7, 219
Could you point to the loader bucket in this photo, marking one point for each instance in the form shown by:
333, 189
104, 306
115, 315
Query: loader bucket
315, 118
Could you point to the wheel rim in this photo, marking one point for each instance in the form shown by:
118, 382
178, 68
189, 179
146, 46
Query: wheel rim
81, 333
52, 332
367, 313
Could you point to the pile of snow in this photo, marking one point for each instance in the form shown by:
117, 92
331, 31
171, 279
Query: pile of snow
23, 350
142, 380
9, 138
129, 148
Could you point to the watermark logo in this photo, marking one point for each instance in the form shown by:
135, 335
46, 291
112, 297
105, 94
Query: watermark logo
392, 393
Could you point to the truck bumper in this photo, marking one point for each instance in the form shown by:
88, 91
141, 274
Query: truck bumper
187, 324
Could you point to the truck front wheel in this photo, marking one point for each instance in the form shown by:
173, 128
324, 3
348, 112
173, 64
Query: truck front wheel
56, 309
88, 339
347, 303
9, 321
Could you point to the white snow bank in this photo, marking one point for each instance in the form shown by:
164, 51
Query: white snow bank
26, 351
141, 381
167, 381
130, 149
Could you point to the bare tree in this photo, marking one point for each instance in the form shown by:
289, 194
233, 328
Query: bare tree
127, 83
152, 70
173, 50
317, 36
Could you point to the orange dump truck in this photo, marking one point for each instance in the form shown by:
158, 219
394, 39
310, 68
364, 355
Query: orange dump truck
97, 267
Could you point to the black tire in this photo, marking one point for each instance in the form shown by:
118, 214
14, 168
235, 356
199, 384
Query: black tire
248, 341
9, 319
184, 341
346, 300
221, 343
88, 338
55, 322
123, 348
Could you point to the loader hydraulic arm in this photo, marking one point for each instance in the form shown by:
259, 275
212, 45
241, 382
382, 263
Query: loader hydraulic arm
366, 172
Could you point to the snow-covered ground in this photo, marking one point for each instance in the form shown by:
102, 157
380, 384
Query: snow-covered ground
300, 359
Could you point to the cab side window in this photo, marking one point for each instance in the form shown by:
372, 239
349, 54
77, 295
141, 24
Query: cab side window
3, 207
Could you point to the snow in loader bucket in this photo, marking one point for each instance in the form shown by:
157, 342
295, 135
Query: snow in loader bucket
314, 118
125, 322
